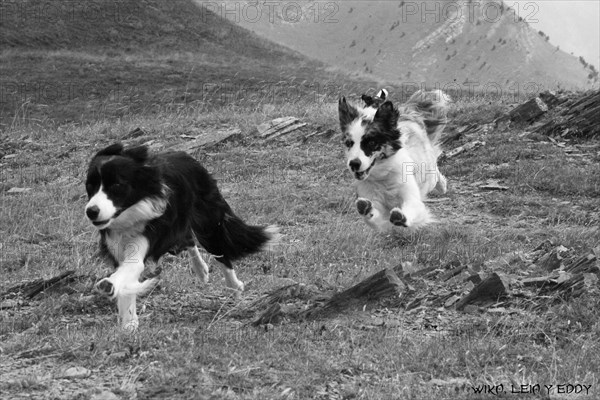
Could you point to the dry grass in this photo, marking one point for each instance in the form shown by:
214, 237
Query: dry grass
185, 349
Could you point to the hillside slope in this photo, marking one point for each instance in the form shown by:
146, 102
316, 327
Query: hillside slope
72, 61
484, 44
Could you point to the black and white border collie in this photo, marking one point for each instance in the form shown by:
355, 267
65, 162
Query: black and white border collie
392, 152
147, 205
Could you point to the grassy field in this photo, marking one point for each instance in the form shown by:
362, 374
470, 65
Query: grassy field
196, 341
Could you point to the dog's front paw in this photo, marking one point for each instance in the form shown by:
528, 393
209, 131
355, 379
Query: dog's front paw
364, 206
105, 288
130, 326
398, 218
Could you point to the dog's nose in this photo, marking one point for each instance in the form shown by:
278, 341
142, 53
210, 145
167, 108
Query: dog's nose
354, 164
92, 212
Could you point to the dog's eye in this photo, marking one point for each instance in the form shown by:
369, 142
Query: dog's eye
348, 143
371, 144
117, 187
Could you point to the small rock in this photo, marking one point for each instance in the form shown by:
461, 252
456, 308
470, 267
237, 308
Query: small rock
120, 355
9, 303
16, 190
76, 373
493, 185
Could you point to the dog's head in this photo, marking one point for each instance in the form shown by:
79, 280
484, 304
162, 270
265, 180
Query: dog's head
116, 180
368, 138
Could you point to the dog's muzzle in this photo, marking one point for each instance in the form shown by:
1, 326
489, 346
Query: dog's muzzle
92, 213
355, 165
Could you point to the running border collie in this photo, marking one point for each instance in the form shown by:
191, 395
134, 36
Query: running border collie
147, 205
392, 152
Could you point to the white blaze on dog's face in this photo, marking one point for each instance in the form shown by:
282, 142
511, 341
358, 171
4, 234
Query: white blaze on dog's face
108, 189
368, 136
115, 184
100, 209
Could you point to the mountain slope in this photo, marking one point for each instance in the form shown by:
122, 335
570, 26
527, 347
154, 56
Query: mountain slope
483, 45
72, 61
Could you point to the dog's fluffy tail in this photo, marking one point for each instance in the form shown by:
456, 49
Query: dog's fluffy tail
241, 239
433, 105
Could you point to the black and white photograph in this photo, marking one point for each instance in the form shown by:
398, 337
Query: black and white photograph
297, 200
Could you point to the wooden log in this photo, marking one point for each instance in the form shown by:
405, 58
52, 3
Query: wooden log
578, 116
583, 264
206, 139
493, 185
575, 286
33, 288
296, 291
460, 149
528, 111
452, 273
273, 301
539, 282
279, 127
383, 284
490, 289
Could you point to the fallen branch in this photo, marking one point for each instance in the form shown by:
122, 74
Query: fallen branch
383, 284
279, 127
33, 288
206, 139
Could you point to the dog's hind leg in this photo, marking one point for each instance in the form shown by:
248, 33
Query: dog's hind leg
199, 266
441, 184
230, 277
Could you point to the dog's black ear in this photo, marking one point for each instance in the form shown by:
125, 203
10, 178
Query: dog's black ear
112, 150
347, 113
367, 99
387, 114
139, 153
382, 94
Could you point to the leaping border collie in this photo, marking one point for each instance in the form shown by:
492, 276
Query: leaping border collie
392, 152
147, 205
